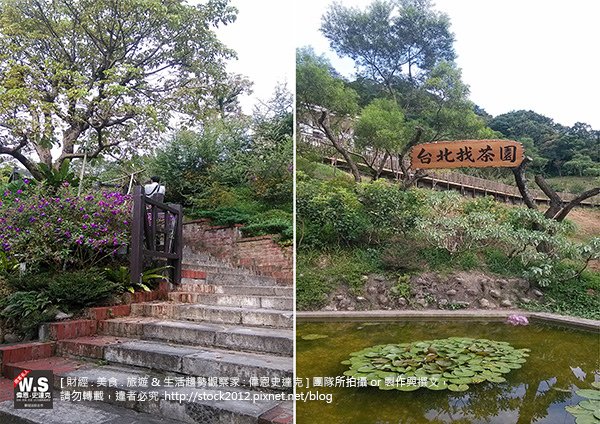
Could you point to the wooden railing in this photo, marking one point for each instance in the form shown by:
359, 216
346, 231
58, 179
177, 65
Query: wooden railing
466, 184
157, 233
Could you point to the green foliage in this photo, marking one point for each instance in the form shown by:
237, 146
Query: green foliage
588, 410
577, 297
57, 177
389, 38
381, 127
56, 229
236, 171
122, 277
316, 84
74, 290
328, 215
402, 287
101, 93
389, 208
452, 363
319, 273
563, 150
500, 263
26, 310
271, 222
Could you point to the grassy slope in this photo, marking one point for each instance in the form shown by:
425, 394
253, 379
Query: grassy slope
571, 298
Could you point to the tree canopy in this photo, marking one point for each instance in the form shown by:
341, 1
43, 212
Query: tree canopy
97, 76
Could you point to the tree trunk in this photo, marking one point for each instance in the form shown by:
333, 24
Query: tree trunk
339, 147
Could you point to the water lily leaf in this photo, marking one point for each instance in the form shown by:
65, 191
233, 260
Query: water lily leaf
456, 362
314, 337
591, 405
589, 394
458, 387
586, 419
407, 388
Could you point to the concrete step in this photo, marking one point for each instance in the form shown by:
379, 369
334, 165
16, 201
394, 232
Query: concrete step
215, 269
215, 314
193, 286
178, 358
65, 412
240, 280
251, 339
199, 361
239, 301
176, 398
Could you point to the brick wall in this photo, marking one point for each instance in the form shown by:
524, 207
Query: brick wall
261, 254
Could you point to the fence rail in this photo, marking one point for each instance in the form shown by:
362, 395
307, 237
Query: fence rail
466, 184
157, 233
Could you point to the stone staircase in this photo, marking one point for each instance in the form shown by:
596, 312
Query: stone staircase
222, 342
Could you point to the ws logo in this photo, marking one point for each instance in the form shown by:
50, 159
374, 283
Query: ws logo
33, 389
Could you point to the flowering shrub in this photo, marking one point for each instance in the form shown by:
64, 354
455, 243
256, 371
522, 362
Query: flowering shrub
56, 229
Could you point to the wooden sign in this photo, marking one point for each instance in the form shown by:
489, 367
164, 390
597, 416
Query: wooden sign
467, 154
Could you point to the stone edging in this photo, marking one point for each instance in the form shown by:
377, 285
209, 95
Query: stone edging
467, 315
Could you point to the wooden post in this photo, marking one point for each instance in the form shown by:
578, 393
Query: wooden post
178, 245
136, 258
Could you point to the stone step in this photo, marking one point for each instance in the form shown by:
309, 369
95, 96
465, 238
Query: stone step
240, 280
64, 412
211, 404
199, 361
256, 290
239, 301
215, 314
192, 286
215, 269
251, 339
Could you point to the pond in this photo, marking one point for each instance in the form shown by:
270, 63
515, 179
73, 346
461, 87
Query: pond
562, 360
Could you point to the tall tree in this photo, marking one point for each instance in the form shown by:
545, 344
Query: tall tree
380, 131
326, 103
83, 77
390, 40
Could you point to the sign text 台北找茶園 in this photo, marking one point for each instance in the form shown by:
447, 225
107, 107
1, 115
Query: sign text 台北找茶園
467, 154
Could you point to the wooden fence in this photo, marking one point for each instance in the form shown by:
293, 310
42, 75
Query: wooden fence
157, 233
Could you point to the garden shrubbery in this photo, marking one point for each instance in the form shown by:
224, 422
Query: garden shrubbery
418, 230
46, 232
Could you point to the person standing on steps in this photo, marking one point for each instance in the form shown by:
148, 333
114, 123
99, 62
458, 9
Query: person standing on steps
155, 190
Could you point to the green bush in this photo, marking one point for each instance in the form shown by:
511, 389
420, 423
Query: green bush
78, 289
272, 222
499, 263
25, 311
320, 272
389, 208
30, 281
328, 215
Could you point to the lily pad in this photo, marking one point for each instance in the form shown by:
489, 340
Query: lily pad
314, 336
588, 411
457, 361
589, 394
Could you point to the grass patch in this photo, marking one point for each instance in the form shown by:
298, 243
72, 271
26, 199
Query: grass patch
320, 272
579, 297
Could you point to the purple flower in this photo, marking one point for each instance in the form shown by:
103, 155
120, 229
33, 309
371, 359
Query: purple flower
517, 320
26, 180
19, 191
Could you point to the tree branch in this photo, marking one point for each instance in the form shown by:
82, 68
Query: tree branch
519, 173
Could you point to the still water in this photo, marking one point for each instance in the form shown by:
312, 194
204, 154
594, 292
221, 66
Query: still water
561, 361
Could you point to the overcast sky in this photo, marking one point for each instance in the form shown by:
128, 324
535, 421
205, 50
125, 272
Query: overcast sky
263, 38
515, 54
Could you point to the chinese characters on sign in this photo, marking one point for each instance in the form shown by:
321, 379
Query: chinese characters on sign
467, 154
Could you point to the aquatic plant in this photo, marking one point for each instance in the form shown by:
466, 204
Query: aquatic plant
451, 363
587, 411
